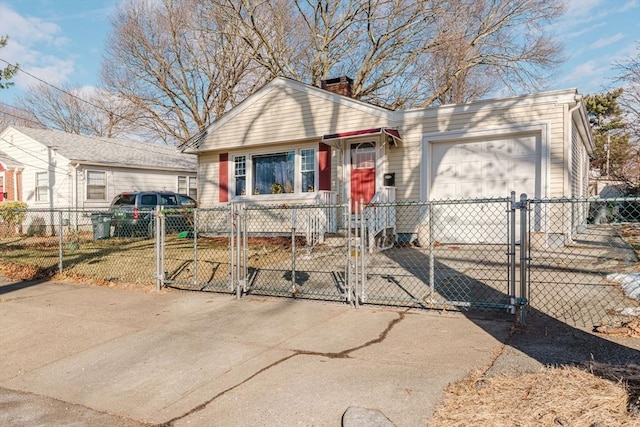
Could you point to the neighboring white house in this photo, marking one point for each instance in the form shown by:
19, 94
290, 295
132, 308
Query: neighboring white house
55, 169
299, 143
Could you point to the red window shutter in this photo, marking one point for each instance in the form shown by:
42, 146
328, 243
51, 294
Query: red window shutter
223, 172
324, 167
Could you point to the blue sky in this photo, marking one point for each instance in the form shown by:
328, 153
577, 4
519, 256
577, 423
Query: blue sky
61, 41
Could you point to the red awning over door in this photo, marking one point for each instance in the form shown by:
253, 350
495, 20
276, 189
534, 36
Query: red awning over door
392, 132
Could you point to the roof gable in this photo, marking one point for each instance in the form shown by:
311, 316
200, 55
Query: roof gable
109, 151
286, 110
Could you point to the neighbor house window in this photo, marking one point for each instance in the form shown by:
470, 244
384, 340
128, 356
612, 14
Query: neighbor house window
308, 170
42, 186
240, 174
96, 185
188, 185
273, 173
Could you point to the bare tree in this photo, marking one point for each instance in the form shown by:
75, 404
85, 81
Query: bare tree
630, 99
630, 102
71, 110
183, 63
11, 115
174, 61
403, 53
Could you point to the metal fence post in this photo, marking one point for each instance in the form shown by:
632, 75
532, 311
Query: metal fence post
60, 242
524, 245
432, 257
363, 252
159, 249
233, 224
512, 252
238, 254
294, 214
349, 252
195, 247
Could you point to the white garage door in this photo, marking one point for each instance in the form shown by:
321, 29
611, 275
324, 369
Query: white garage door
486, 168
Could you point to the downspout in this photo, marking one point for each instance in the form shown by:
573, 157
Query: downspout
571, 220
16, 196
74, 185
570, 177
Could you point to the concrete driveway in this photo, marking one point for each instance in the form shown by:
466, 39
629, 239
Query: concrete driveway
85, 355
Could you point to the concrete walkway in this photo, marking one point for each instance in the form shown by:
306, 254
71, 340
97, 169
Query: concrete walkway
85, 355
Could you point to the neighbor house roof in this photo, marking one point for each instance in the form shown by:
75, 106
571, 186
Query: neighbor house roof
110, 151
8, 161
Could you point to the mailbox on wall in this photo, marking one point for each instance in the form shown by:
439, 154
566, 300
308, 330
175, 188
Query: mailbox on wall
390, 179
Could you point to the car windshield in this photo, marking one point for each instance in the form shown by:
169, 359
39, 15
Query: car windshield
168, 199
125, 199
187, 201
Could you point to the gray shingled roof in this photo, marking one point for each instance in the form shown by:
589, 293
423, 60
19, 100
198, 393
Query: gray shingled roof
9, 161
111, 151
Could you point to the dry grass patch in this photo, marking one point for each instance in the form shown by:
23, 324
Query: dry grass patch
562, 396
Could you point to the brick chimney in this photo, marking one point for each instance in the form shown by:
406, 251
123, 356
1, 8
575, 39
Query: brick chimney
340, 85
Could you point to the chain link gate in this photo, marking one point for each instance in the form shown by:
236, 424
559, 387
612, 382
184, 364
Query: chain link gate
296, 251
457, 255
200, 256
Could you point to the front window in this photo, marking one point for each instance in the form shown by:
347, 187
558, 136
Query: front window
308, 170
285, 172
240, 175
96, 185
273, 173
42, 187
188, 185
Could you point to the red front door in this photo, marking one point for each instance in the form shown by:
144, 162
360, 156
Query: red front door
363, 173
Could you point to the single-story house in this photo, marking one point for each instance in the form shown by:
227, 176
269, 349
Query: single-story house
292, 142
55, 169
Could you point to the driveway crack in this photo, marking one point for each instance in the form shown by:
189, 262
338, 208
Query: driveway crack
345, 354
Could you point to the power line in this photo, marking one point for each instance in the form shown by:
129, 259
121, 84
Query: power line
21, 118
79, 99
15, 108
57, 88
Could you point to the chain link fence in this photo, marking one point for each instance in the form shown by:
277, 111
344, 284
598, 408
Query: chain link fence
583, 259
578, 262
446, 255
41, 243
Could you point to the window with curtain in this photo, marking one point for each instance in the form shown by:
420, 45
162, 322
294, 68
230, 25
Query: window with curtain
96, 185
188, 185
42, 187
240, 174
273, 173
308, 170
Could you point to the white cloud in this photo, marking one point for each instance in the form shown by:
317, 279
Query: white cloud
34, 44
579, 9
592, 75
584, 30
30, 30
631, 4
606, 41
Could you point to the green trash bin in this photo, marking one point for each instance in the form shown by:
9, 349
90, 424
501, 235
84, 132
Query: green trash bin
101, 222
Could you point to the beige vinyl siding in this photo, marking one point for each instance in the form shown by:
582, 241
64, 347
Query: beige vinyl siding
289, 115
208, 179
414, 127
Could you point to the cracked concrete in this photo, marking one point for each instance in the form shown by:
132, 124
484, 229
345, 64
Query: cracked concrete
177, 359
